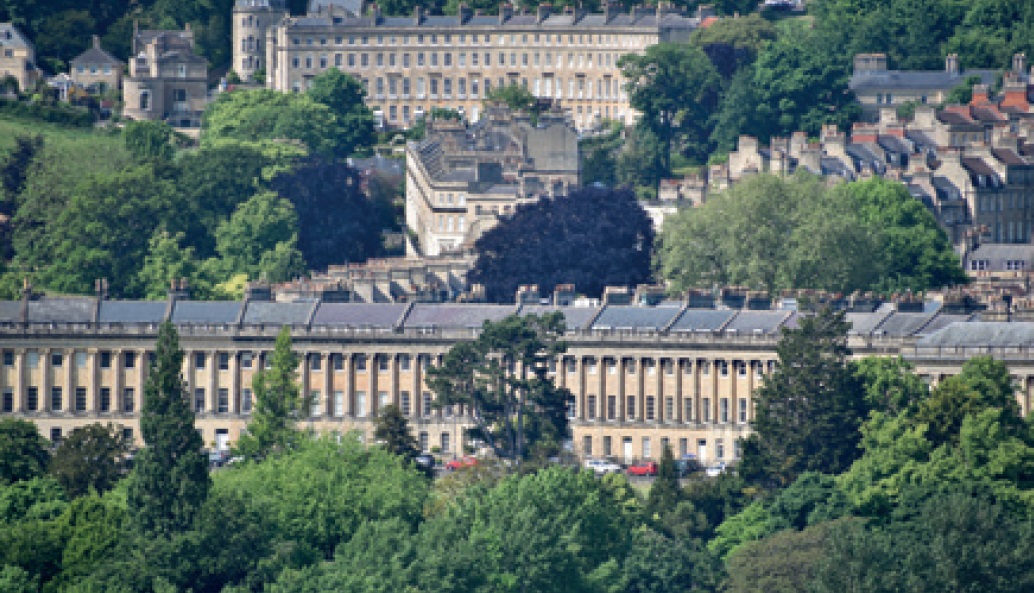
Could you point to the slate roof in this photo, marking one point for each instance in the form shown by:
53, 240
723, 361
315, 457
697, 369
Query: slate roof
980, 335
10, 311
943, 320
633, 317
381, 315
701, 320
62, 310
10, 36
574, 317
762, 322
352, 6
903, 324
996, 254
131, 312
278, 313
864, 323
517, 21
455, 315
95, 55
916, 79
205, 312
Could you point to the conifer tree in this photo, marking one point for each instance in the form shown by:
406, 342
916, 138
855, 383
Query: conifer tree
170, 482
278, 404
665, 491
810, 409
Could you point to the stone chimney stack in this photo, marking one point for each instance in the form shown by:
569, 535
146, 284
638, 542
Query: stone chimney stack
951, 64
464, 13
543, 12
1019, 64
505, 13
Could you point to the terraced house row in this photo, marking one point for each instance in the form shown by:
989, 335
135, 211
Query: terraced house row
412, 64
643, 376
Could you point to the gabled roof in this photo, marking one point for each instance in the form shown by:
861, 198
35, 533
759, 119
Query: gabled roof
916, 79
278, 313
574, 317
62, 310
95, 55
203, 312
10, 36
634, 317
701, 320
378, 315
981, 335
450, 315
131, 312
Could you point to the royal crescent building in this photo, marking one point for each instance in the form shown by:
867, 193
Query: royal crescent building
412, 64
642, 376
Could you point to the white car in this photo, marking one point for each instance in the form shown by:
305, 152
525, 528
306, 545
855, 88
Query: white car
602, 467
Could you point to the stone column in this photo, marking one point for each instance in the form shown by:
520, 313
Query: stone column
212, 368
71, 380
393, 368
602, 397
44, 389
349, 364
622, 404
235, 382
328, 384
92, 393
188, 375
417, 410
680, 405
661, 396
19, 380
373, 404
117, 368
304, 381
143, 366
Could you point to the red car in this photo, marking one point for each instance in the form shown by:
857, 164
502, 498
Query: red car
460, 463
643, 468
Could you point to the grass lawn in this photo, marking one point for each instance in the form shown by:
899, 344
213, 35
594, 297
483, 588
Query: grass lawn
68, 151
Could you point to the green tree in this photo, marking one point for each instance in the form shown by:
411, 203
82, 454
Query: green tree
916, 252
657, 564
549, 531
392, 430
810, 409
267, 116
984, 383
149, 140
665, 491
170, 480
300, 492
105, 231
891, 386
676, 88
278, 404
168, 259
344, 95
257, 226
518, 410
23, 451
90, 458
782, 563
16, 580
514, 96
14, 170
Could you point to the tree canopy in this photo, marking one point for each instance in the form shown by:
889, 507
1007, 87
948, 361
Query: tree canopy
518, 410
591, 238
91, 458
278, 404
868, 235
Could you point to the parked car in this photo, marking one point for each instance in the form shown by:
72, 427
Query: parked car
643, 468
716, 469
602, 467
425, 460
461, 462
687, 466
218, 458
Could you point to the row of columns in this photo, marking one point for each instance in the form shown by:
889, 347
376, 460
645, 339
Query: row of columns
41, 377
688, 399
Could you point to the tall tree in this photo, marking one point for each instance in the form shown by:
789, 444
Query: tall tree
23, 452
344, 95
170, 482
392, 430
810, 409
517, 409
607, 241
92, 457
665, 491
278, 404
337, 222
676, 88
